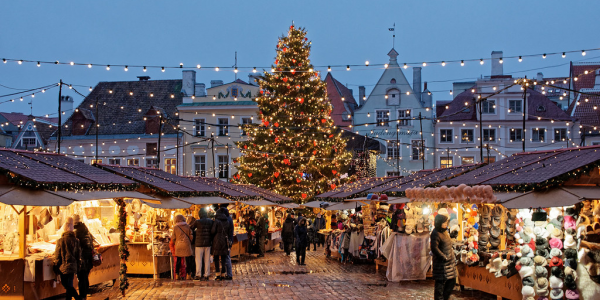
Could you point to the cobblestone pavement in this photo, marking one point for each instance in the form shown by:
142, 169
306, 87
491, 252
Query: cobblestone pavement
277, 276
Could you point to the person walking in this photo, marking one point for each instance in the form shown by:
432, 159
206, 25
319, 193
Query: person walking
262, 228
67, 258
230, 238
319, 224
444, 271
300, 232
312, 236
182, 240
203, 227
86, 242
287, 234
220, 246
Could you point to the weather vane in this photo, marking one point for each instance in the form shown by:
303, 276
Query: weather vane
393, 29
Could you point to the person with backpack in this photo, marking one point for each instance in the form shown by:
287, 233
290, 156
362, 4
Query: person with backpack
86, 242
203, 243
182, 240
67, 258
221, 241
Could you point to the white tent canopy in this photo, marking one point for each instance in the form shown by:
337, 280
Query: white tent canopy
259, 203
556, 197
205, 200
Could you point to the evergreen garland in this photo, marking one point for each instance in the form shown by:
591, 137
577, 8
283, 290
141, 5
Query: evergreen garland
123, 249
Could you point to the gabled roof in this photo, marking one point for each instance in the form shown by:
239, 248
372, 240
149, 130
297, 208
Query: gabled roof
165, 94
17, 118
584, 81
457, 110
440, 107
335, 92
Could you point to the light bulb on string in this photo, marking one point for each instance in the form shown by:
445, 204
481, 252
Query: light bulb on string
501, 60
72, 63
462, 63
21, 62
582, 52
443, 64
405, 66
235, 70
181, 65
564, 55
520, 59
38, 64
254, 70
162, 69
367, 63
348, 68
328, 68
89, 66
481, 61
107, 67
144, 69
385, 66
126, 68
544, 55
424, 64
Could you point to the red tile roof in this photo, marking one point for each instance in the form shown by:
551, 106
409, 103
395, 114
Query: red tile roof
17, 118
584, 81
585, 112
335, 91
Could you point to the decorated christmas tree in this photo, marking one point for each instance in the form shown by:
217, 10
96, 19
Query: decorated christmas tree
296, 150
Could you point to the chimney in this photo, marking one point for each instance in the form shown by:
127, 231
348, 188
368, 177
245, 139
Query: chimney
200, 90
497, 67
540, 77
66, 103
214, 83
189, 83
426, 96
143, 78
417, 82
253, 79
361, 95
597, 82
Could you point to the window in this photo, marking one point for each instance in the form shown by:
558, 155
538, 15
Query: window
467, 160
393, 97
223, 166
446, 162
223, 126
466, 135
94, 161
151, 148
416, 151
560, 135
171, 165
28, 142
488, 107
393, 149
445, 135
245, 121
199, 127
516, 134
200, 165
133, 162
392, 174
489, 135
114, 161
404, 117
152, 163
538, 135
515, 106
489, 160
383, 117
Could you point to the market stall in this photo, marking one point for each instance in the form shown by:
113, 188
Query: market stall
39, 192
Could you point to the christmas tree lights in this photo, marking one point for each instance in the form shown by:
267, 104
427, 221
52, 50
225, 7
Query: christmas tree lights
296, 125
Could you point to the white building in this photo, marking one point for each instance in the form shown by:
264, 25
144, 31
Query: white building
392, 113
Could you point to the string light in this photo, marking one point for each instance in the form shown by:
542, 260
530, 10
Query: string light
501, 60
144, 68
108, 67
462, 63
443, 64
481, 61
582, 52
520, 59
126, 68
564, 55
162, 69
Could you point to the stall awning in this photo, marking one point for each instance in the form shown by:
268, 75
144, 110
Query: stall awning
96, 195
584, 192
205, 200
259, 203
314, 204
167, 203
289, 205
556, 197
344, 205
14, 195
397, 200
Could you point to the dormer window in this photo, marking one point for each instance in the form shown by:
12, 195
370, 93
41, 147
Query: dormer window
541, 108
393, 81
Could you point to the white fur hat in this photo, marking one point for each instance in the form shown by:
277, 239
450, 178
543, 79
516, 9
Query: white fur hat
527, 291
570, 242
526, 271
556, 283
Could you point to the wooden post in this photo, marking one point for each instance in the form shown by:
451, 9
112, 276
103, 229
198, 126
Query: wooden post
459, 213
23, 232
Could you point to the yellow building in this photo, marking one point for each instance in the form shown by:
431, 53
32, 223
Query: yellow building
211, 121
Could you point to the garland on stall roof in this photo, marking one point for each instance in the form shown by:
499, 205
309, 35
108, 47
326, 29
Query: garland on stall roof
31, 184
123, 249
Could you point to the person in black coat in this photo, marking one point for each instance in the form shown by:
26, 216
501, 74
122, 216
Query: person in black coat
287, 234
220, 247
444, 271
204, 239
86, 242
301, 234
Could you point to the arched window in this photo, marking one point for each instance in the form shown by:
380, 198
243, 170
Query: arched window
393, 81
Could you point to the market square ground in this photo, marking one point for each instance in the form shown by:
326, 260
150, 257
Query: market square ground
276, 276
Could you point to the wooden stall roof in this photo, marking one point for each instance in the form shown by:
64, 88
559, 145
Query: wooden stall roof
530, 167
355, 188
50, 168
434, 177
268, 194
138, 174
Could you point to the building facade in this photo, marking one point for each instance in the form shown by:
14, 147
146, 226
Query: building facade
401, 117
470, 131
212, 120
26, 132
136, 124
585, 83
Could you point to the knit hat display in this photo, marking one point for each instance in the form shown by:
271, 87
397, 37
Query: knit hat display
556, 262
557, 222
555, 243
541, 232
570, 271
555, 252
528, 281
541, 287
572, 294
556, 294
543, 252
526, 271
540, 261
570, 282
556, 233
570, 242
571, 263
556, 283
526, 251
557, 272
526, 261
541, 272
570, 222
527, 291
541, 243
570, 253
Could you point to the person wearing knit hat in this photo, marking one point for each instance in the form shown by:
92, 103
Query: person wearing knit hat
541, 286
556, 294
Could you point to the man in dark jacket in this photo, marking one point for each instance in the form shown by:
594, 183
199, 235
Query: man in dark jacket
230, 235
220, 247
287, 234
444, 271
262, 228
301, 234
67, 258
86, 242
203, 227
319, 224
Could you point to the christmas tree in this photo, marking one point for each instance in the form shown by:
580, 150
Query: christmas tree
296, 150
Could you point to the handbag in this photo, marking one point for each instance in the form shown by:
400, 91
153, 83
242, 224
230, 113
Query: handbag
96, 259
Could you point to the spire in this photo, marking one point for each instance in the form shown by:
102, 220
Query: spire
393, 54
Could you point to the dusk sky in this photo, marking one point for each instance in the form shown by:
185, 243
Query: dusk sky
166, 33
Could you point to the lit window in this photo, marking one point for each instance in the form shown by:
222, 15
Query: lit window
200, 165
223, 166
446, 162
171, 165
446, 136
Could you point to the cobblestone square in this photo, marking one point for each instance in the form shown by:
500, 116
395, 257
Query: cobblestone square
277, 276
